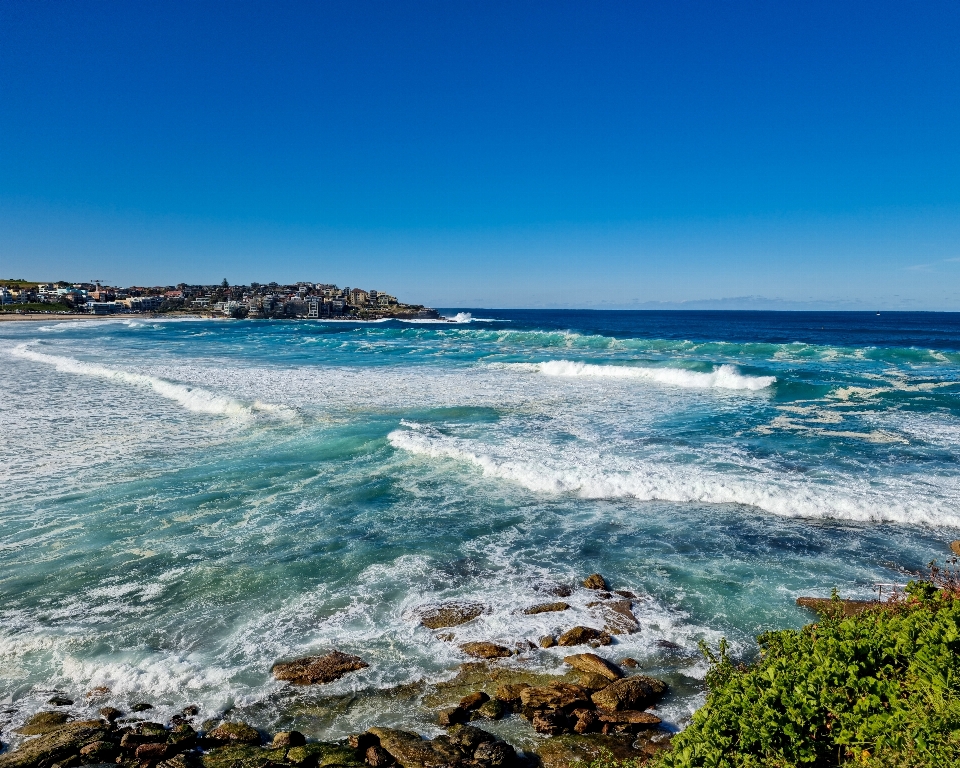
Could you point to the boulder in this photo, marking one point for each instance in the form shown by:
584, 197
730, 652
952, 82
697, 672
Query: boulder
409, 750
234, 733
955, 547
510, 693
668, 645
62, 745
595, 581
629, 662
312, 670
625, 593
592, 682
484, 650
99, 752
474, 700
451, 716
557, 590
152, 753
496, 754
637, 692
550, 722
450, 614
237, 756
190, 711
141, 706
183, 760
630, 716
110, 714
469, 737
287, 739
582, 636
618, 618
44, 722
545, 608
568, 750
182, 736
556, 695
60, 701
548, 641
595, 665
491, 710
586, 720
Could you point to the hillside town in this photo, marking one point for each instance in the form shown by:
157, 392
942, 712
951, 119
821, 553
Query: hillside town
254, 301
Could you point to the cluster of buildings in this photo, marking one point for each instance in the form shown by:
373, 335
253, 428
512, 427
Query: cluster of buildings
272, 300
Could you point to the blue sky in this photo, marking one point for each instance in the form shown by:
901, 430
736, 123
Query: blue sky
490, 154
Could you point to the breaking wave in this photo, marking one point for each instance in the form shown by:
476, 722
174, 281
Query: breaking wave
600, 477
722, 377
192, 398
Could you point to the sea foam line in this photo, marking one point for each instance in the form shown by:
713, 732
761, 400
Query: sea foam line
590, 477
722, 377
192, 398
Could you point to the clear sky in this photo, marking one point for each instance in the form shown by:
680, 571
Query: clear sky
489, 154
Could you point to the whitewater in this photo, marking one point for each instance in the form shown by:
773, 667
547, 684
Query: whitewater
184, 503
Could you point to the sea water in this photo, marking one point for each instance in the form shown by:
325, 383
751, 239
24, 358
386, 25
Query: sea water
185, 502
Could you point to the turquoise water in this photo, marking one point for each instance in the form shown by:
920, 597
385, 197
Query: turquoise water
186, 502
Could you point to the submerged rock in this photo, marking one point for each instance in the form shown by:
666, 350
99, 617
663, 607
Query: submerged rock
593, 664
60, 701
312, 670
484, 650
450, 614
141, 706
637, 692
633, 663
582, 636
110, 714
44, 722
533, 610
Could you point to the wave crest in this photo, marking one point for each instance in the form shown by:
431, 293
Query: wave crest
722, 377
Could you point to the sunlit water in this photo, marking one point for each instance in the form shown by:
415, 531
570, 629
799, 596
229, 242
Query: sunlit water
186, 502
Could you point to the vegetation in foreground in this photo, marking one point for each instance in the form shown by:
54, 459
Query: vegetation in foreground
880, 688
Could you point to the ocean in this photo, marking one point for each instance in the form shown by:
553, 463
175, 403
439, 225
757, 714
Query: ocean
185, 502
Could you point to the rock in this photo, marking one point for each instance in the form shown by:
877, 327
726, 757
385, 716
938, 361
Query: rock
182, 736
582, 636
625, 593
240, 756
474, 700
234, 733
669, 645
447, 637
450, 614
545, 608
43, 722
568, 750
637, 692
97, 693
618, 618
557, 590
361, 741
491, 710
469, 737
287, 739
60, 701
377, 757
187, 760
595, 581
191, 711
141, 706
548, 641
484, 650
955, 547
320, 753
590, 662
451, 716
510, 692
99, 752
556, 695
110, 713
631, 716
153, 752
827, 606
311, 670
629, 662
592, 682
586, 720
550, 722
496, 754
409, 750
132, 739
62, 745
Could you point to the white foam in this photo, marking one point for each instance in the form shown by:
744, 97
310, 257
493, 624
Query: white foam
595, 475
722, 377
192, 398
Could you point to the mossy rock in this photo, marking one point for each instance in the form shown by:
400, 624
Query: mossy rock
241, 756
320, 753
58, 746
564, 751
480, 676
44, 722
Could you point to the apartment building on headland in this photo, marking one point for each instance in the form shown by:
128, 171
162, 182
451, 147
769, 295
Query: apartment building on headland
271, 300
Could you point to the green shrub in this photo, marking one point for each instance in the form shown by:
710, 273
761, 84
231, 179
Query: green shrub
881, 688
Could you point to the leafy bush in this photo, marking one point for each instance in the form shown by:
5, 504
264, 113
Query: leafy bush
880, 688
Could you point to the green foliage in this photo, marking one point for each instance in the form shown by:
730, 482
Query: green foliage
881, 688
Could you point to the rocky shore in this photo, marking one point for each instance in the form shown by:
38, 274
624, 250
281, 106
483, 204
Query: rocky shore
596, 706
